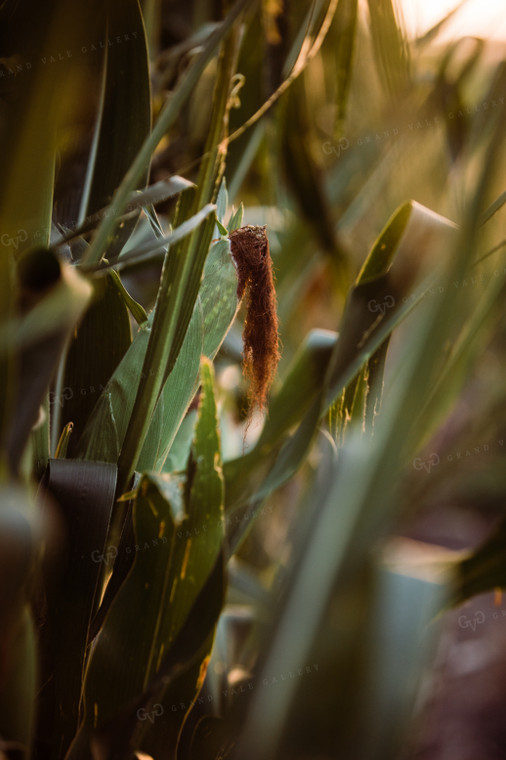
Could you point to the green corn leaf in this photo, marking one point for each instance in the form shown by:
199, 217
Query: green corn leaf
124, 118
27, 161
221, 229
212, 317
20, 532
213, 313
175, 398
46, 103
105, 429
164, 122
125, 648
157, 193
296, 395
134, 307
54, 296
466, 349
154, 248
84, 495
222, 201
203, 535
180, 449
178, 536
325, 559
390, 45
130, 729
90, 362
245, 476
303, 175
300, 386
345, 24
493, 208
404, 626
235, 220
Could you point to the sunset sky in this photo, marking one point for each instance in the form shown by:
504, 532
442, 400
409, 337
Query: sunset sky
477, 17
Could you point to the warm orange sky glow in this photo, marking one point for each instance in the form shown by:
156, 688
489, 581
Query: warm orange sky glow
484, 18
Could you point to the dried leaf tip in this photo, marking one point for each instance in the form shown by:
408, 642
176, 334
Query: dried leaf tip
249, 247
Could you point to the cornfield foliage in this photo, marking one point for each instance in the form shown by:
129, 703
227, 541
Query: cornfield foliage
203, 551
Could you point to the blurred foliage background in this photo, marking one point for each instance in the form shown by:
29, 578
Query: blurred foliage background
309, 602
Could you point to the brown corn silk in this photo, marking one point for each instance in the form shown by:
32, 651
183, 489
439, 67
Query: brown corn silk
250, 251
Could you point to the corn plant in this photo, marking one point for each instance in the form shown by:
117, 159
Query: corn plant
189, 569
